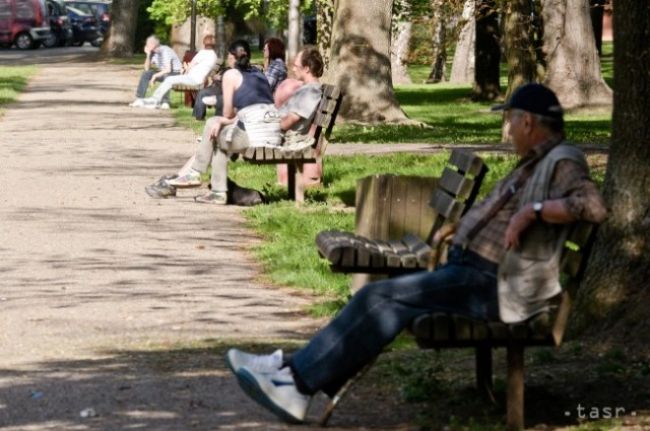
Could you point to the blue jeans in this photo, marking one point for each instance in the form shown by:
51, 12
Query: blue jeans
143, 84
381, 310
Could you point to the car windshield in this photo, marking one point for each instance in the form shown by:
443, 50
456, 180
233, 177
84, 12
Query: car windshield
56, 8
76, 11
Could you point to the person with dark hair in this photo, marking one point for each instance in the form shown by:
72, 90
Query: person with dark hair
195, 73
502, 265
249, 119
274, 67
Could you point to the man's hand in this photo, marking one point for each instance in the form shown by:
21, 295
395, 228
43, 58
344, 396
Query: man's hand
214, 131
445, 233
519, 223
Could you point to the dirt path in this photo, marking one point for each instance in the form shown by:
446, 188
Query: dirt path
110, 300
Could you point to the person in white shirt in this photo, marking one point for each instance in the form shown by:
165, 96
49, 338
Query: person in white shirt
196, 72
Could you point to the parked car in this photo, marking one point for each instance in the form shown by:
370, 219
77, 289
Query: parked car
59, 24
24, 23
84, 27
100, 8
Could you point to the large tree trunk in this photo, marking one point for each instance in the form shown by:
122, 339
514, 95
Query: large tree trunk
519, 34
400, 38
360, 61
462, 68
293, 34
121, 36
488, 52
572, 62
324, 24
439, 42
615, 292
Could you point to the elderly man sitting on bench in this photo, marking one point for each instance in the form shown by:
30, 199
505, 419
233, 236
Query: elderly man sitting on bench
517, 229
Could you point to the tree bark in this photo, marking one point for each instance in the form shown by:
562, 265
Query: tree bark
573, 65
615, 292
519, 49
439, 43
400, 38
324, 24
121, 36
360, 62
462, 68
293, 34
488, 52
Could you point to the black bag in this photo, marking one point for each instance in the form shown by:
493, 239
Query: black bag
243, 196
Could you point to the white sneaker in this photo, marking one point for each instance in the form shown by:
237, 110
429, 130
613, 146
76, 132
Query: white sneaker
237, 359
190, 179
209, 100
150, 103
276, 392
164, 105
137, 103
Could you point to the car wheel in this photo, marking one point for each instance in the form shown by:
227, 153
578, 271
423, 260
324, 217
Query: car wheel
51, 41
24, 41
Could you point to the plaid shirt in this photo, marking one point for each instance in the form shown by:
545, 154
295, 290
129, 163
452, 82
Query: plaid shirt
276, 73
570, 182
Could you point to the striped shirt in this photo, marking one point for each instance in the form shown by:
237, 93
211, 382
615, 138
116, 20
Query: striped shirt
164, 56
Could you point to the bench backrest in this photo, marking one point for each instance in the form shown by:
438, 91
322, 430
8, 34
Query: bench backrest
326, 113
457, 188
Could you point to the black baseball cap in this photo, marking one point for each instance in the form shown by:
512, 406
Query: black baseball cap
533, 98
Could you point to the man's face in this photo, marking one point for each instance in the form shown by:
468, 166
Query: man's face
519, 130
298, 69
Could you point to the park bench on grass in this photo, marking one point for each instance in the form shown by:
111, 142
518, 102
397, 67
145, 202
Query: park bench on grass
321, 128
349, 253
456, 190
190, 92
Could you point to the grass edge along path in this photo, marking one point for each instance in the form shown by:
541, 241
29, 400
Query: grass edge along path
13, 80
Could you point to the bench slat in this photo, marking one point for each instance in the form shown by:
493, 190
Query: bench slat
466, 162
446, 206
456, 184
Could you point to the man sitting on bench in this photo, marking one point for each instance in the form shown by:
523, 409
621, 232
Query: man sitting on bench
517, 229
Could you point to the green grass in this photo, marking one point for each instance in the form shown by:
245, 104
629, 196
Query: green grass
13, 80
288, 253
137, 58
453, 117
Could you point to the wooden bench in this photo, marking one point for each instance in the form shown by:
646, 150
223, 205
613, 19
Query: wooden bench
439, 330
456, 191
190, 92
321, 128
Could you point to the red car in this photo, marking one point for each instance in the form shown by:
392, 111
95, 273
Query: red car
24, 23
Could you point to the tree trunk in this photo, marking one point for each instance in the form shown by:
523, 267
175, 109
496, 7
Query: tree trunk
121, 36
462, 68
439, 42
293, 34
400, 38
324, 23
221, 38
488, 52
360, 62
615, 292
519, 49
573, 65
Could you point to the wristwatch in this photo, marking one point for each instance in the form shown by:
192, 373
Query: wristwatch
537, 207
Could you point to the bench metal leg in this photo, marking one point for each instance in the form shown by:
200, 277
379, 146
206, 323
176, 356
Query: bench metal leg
515, 404
484, 372
291, 180
329, 409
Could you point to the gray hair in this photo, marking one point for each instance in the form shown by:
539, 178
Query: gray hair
553, 125
153, 40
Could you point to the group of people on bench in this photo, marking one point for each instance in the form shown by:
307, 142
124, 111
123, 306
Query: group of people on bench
258, 108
